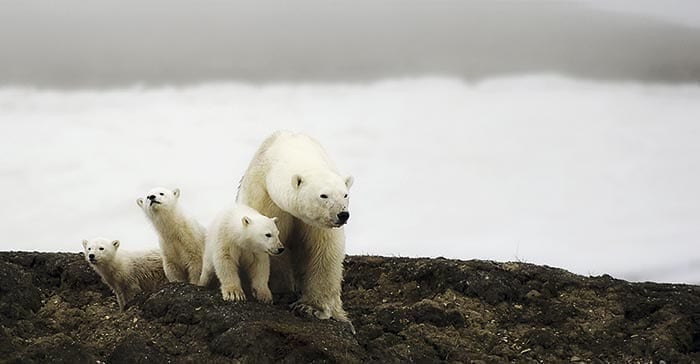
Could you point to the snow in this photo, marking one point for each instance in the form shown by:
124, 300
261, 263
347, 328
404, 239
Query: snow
593, 177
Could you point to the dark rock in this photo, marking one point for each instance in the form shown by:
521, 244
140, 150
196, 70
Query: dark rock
54, 308
59, 348
19, 299
135, 349
428, 311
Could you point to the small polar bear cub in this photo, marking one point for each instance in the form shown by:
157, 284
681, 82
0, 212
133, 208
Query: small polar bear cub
126, 273
181, 237
241, 240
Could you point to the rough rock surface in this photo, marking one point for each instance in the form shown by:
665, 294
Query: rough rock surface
54, 308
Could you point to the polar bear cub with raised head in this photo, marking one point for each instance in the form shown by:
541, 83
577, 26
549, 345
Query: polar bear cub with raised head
240, 240
181, 237
126, 273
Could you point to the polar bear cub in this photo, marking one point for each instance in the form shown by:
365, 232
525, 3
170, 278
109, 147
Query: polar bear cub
240, 240
181, 237
126, 273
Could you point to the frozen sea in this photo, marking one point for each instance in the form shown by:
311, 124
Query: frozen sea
594, 177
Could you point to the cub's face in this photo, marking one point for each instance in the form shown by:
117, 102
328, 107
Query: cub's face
100, 250
263, 233
157, 199
323, 200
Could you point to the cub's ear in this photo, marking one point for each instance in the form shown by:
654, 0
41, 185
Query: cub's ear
176, 192
116, 243
297, 181
349, 181
246, 221
139, 201
85, 243
274, 219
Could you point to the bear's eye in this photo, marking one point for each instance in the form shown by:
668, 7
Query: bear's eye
162, 194
268, 235
346, 196
101, 248
89, 248
324, 196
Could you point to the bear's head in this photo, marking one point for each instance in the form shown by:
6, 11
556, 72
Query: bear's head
322, 198
158, 199
100, 250
262, 234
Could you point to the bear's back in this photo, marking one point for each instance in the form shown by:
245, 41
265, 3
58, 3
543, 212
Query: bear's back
297, 151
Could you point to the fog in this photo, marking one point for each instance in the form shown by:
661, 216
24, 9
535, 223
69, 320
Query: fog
76, 43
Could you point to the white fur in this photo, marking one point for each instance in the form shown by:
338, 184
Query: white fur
286, 178
181, 237
241, 239
126, 273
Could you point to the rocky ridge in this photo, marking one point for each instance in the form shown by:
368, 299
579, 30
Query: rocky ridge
54, 308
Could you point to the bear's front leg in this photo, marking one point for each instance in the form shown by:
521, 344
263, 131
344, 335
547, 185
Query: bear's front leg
226, 268
128, 293
259, 276
322, 276
121, 301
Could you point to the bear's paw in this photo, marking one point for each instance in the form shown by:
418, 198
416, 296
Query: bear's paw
232, 293
303, 309
262, 294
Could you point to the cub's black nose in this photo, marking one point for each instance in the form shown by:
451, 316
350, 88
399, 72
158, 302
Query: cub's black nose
151, 197
280, 250
343, 216
91, 256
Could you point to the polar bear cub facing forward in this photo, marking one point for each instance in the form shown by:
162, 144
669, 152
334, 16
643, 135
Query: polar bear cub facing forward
240, 240
181, 237
126, 273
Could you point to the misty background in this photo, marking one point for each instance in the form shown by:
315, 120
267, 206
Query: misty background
558, 133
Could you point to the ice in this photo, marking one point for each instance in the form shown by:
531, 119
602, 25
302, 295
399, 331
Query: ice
594, 177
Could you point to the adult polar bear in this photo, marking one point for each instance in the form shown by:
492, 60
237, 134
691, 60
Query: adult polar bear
292, 178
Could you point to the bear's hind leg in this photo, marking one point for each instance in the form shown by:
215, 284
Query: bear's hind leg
173, 272
194, 272
207, 272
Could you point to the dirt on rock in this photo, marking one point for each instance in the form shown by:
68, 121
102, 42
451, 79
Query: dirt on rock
54, 308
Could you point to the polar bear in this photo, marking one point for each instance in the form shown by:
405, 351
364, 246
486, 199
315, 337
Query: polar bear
241, 239
126, 273
181, 237
291, 177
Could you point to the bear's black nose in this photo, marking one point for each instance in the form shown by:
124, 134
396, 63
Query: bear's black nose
91, 256
152, 197
343, 216
280, 250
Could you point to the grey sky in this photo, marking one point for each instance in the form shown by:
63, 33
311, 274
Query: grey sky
111, 43
684, 12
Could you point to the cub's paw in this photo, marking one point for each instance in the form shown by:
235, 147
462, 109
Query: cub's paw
303, 309
232, 294
351, 327
262, 294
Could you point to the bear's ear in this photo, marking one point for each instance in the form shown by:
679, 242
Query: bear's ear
85, 243
139, 201
349, 181
115, 243
274, 219
297, 181
176, 192
246, 221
